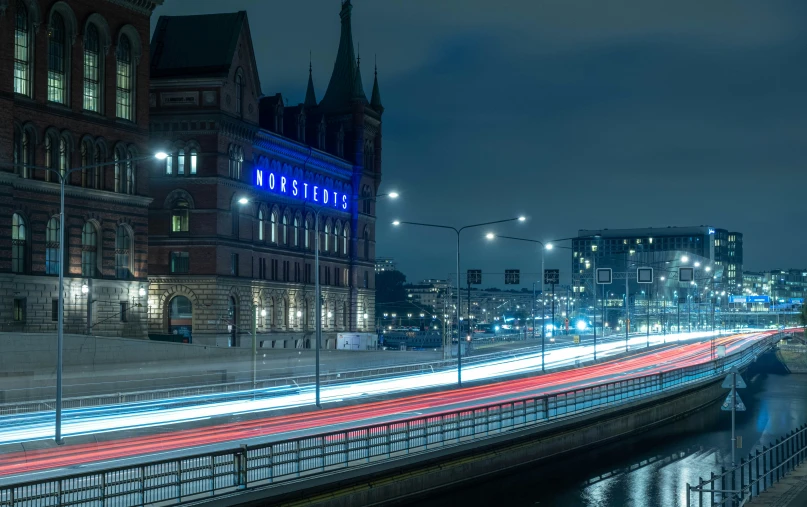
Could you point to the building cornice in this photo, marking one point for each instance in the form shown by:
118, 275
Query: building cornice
140, 6
90, 194
299, 153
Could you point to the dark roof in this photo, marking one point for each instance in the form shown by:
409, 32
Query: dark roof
342, 86
310, 95
195, 46
375, 100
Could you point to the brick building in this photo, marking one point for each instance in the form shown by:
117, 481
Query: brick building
74, 93
232, 220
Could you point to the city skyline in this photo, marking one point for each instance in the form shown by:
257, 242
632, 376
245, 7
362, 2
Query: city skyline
710, 107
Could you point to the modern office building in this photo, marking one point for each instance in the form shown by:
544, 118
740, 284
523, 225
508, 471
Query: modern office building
74, 80
384, 264
660, 248
237, 203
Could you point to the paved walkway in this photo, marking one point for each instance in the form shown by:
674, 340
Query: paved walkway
789, 492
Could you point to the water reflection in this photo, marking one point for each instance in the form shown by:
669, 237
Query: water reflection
776, 401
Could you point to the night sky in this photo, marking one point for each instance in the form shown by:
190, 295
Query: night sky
578, 114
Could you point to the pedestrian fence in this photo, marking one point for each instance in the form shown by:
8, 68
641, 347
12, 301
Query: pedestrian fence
759, 471
213, 474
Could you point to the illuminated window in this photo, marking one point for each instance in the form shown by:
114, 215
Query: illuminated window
92, 52
22, 51
180, 216
169, 165
181, 162
261, 225
273, 227
52, 247
124, 81
193, 161
296, 232
57, 80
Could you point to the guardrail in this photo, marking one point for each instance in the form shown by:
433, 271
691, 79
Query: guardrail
756, 473
217, 473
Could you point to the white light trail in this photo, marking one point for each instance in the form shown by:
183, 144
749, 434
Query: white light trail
128, 416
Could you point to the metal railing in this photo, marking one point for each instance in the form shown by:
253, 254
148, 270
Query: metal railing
756, 473
212, 474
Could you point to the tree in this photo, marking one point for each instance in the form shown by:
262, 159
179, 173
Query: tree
389, 287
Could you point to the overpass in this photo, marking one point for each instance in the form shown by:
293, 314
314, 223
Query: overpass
298, 449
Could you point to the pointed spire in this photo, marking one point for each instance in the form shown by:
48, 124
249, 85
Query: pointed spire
358, 88
340, 90
375, 98
310, 95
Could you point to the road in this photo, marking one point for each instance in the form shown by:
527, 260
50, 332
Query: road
34, 464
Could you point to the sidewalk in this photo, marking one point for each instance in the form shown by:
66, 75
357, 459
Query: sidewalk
788, 492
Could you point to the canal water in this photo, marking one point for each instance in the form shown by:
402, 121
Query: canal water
651, 469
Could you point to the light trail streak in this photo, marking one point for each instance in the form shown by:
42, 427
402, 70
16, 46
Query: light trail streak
645, 364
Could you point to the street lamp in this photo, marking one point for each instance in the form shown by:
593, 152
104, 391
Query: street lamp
457, 231
317, 295
544, 246
63, 174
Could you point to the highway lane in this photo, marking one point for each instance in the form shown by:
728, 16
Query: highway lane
94, 420
282, 427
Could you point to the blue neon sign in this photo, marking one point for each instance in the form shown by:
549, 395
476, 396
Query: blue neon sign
266, 179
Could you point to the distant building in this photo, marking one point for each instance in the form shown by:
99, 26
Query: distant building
384, 264
787, 286
662, 248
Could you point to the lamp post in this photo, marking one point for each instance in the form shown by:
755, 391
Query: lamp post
318, 296
544, 246
457, 231
63, 175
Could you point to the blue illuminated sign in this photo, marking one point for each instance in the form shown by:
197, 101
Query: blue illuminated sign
296, 187
796, 301
711, 231
749, 299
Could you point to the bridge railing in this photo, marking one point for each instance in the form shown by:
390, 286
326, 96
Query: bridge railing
212, 474
756, 473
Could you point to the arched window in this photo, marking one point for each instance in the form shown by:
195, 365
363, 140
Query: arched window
193, 161
327, 235
179, 216
335, 242
261, 225
92, 77
123, 248
131, 171
57, 68
366, 242
51, 158
285, 229
345, 234
273, 226
118, 159
124, 81
87, 175
98, 157
52, 247
239, 85
307, 234
26, 153
18, 242
89, 250
169, 165
236, 161
296, 232
181, 162
64, 157
22, 51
